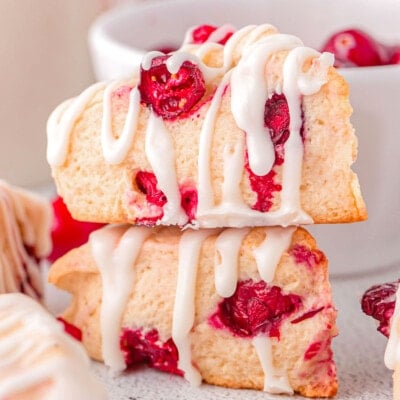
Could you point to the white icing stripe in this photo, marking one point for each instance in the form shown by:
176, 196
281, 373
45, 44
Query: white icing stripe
184, 308
275, 381
249, 93
220, 33
295, 84
34, 350
25, 221
116, 149
160, 153
227, 248
269, 252
204, 187
392, 352
115, 249
61, 122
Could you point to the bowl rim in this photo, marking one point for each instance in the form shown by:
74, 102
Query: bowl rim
100, 39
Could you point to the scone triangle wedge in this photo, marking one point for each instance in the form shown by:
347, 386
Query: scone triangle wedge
253, 132
240, 308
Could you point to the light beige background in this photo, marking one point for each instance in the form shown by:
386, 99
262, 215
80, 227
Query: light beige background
43, 60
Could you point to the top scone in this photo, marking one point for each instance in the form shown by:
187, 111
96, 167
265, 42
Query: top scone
245, 128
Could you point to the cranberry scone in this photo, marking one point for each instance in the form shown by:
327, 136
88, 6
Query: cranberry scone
25, 222
382, 302
240, 308
245, 128
38, 360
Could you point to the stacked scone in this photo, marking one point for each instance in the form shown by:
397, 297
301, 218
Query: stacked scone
237, 137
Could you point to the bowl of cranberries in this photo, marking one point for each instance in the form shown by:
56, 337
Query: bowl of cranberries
363, 35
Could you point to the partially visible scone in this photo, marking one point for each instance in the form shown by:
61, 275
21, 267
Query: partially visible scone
253, 132
38, 360
207, 304
382, 302
25, 222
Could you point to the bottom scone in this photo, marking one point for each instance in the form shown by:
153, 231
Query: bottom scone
382, 302
241, 308
38, 360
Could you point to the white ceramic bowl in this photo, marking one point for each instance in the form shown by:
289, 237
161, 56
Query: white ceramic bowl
119, 38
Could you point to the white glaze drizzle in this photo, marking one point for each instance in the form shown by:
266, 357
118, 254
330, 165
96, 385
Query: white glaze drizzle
248, 34
269, 252
116, 149
115, 250
250, 90
295, 84
275, 381
26, 221
34, 350
61, 122
220, 33
205, 201
226, 260
160, 152
392, 352
190, 246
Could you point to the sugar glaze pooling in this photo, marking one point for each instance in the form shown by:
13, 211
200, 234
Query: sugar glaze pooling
247, 50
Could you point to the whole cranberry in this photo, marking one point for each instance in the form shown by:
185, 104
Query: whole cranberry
171, 95
354, 47
66, 232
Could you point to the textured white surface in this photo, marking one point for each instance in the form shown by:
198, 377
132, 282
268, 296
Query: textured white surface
359, 351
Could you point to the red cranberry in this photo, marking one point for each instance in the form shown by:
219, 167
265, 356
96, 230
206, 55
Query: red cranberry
66, 232
379, 302
72, 330
395, 56
146, 348
255, 308
167, 49
307, 315
189, 201
354, 47
171, 95
277, 118
307, 256
201, 34
313, 350
147, 184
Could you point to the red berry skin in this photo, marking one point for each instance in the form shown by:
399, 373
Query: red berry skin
355, 48
66, 232
395, 56
201, 34
146, 348
379, 302
171, 96
146, 182
255, 308
277, 120
72, 330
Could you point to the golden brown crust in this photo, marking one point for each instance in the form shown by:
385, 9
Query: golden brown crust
222, 358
